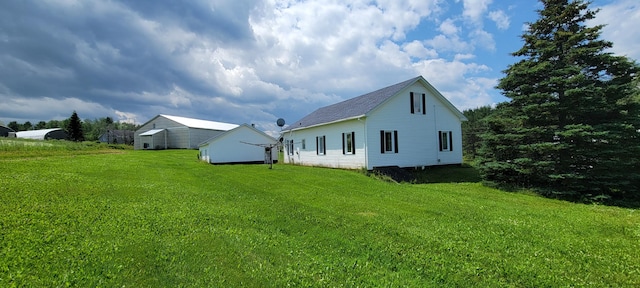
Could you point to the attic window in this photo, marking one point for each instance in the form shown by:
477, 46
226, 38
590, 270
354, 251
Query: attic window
418, 105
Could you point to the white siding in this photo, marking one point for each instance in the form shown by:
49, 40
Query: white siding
232, 147
417, 133
333, 135
178, 136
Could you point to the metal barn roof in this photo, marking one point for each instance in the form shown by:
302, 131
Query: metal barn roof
202, 124
36, 134
151, 132
362, 105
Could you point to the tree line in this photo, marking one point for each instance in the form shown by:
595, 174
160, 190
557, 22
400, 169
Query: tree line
571, 126
77, 129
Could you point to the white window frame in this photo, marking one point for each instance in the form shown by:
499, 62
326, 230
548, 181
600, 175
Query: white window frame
445, 141
290, 147
348, 143
388, 141
418, 105
321, 145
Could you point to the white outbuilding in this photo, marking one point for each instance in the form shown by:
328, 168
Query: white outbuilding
243, 144
43, 134
175, 132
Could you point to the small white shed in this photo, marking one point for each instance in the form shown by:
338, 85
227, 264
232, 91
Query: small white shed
243, 144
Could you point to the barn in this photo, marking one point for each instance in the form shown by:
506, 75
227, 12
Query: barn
175, 132
117, 137
243, 144
43, 134
4, 131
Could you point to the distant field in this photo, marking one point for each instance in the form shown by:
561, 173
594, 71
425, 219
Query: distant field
97, 216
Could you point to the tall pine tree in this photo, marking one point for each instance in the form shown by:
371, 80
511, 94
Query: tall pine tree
74, 128
573, 120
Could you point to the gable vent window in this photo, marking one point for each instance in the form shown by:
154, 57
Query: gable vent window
321, 148
388, 141
304, 144
418, 105
446, 140
348, 143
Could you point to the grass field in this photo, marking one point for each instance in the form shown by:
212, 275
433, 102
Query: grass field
97, 216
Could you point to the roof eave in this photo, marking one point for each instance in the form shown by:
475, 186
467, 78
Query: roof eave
327, 123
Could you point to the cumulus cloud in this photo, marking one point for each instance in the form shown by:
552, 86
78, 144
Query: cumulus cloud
620, 18
233, 61
500, 18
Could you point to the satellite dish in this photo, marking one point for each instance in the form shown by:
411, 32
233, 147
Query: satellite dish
280, 122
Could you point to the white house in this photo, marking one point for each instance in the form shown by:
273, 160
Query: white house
243, 144
409, 124
174, 132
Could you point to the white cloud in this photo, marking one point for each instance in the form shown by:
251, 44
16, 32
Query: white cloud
296, 56
448, 27
416, 49
483, 39
125, 117
453, 80
475, 9
622, 19
449, 43
500, 18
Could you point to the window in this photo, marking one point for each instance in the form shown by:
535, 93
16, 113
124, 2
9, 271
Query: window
348, 143
321, 149
418, 104
388, 141
304, 144
446, 141
290, 147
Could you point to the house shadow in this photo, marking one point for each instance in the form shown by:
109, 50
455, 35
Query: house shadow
431, 174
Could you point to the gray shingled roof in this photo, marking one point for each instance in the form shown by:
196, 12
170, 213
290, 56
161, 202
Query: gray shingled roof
353, 107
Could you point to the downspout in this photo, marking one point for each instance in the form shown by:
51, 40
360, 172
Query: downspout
290, 153
366, 149
435, 129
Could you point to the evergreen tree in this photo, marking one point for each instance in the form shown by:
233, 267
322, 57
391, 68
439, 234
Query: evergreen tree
573, 120
74, 128
472, 129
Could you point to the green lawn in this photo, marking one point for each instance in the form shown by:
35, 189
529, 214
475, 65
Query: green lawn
163, 219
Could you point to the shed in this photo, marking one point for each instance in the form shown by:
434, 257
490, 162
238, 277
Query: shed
43, 134
243, 144
175, 132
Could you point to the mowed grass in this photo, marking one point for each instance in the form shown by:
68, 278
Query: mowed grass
164, 219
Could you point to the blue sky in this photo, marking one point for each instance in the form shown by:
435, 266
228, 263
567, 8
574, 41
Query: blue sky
257, 61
